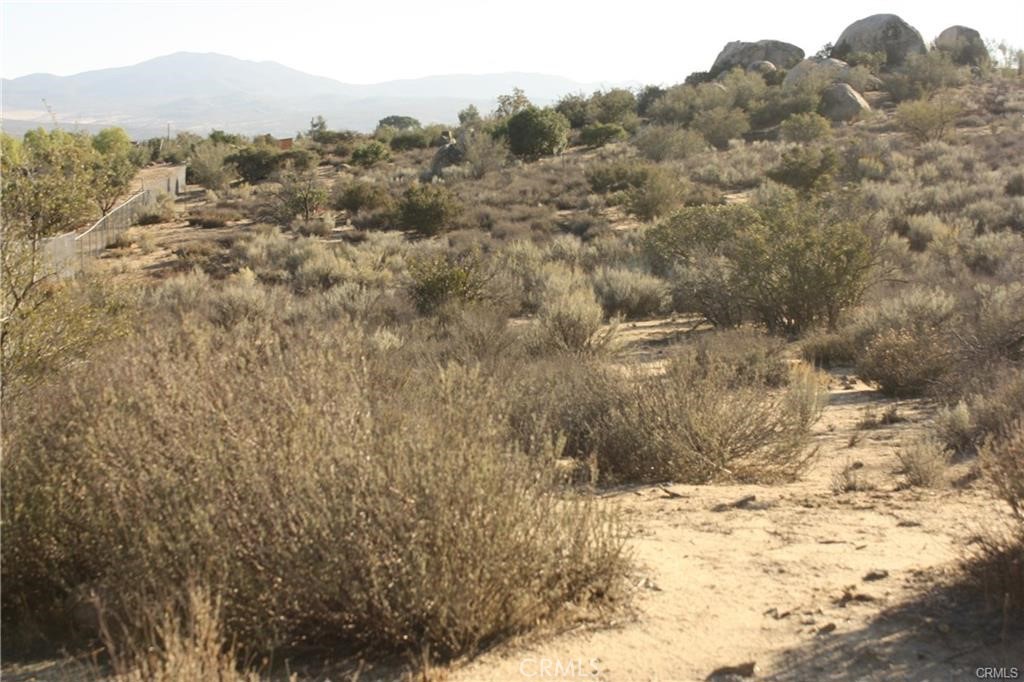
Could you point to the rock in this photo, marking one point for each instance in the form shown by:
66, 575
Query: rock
840, 102
823, 68
450, 154
762, 67
880, 33
739, 53
964, 46
871, 576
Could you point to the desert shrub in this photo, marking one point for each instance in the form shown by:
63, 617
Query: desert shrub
537, 132
927, 120
828, 349
809, 168
669, 143
484, 154
428, 209
358, 195
676, 106
1003, 461
268, 487
1015, 185
695, 424
924, 75
161, 213
805, 128
616, 176
660, 192
721, 124
445, 278
780, 103
208, 166
903, 343
255, 163
414, 138
569, 317
747, 356
922, 230
818, 262
600, 134
317, 226
213, 217
923, 462
630, 294
370, 154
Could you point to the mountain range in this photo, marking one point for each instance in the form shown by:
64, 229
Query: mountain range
197, 92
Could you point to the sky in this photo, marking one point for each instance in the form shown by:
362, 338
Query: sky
368, 42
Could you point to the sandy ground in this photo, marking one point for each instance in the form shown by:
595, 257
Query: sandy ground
803, 582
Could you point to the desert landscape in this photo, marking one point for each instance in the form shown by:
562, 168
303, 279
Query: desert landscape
720, 380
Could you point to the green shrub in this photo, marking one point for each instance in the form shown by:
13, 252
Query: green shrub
428, 209
209, 167
442, 279
575, 110
255, 163
617, 176
213, 217
299, 196
923, 75
617, 106
828, 349
660, 193
807, 168
630, 294
1015, 185
669, 143
537, 132
721, 124
805, 128
600, 134
358, 195
370, 154
818, 264
927, 120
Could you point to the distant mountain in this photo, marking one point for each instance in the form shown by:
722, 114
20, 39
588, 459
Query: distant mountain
199, 92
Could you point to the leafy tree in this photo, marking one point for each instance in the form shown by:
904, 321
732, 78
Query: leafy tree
537, 132
469, 116
614, 106
47, 182
255, 163
512, 104
300, 195
575, 109
112, 167
398, 122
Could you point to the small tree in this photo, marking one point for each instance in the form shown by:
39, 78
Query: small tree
574, 108
806, 127
600, 134
512, 104
255, 163
301, 196
398, 122
537, 132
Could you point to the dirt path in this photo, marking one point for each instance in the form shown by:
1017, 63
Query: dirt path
807, 583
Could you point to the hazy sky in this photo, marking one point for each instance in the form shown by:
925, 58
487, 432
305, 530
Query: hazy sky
364, 42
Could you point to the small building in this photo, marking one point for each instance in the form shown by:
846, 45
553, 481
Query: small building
285, 143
